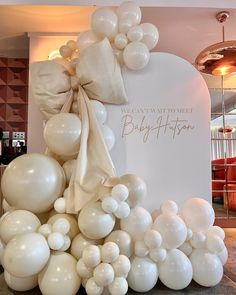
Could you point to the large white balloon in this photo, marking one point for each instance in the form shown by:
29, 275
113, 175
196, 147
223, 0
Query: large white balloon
26, 255
198, 214
131, 11
69, 167
62, 134
104, 23
20, 284
95, 223
99, 110
137, 188
143, 274
207, 268
86, 39
150, 35
176, 271
108, 136
18, 222
123, 240
137, 223
172, 229
59, 277
136, 55
33, 182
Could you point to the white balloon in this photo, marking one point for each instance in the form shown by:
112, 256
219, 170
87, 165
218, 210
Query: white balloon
91, 256
59, 276
61, 225
169, 206
176, 271
29, 250
79, 243
123, 210
65, 51
120, 192
136, 56
186, 248
198, 240
217, 231
137, 223
118, 287
55, 241
140, 249
137, 189
108, 136
86, 39
135, 34
143, 274
109, 205
121, 266
20, 284
207, 268
189, 234
103, 274
60, 205
92, 288
214, 243
69, 167
94, 223
129, 10
66, 245
110, 252
198, 214
33, 182
99, 110
123, 241
172, 230
18, 222
62, 134
152, 239
158, 254
83, 270
125, 25
120, 41
72, 44
45, 230
150, 35
104, 23
223, 255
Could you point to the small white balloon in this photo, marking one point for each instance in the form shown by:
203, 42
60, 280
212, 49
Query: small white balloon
140, 249
60, 205
123, 240
108, 136
223, 255
83, 270
65, 51
198, 240
152, 239
91, 256
67, 243
123, 210
20, 284
45, 230
136, 56
169, 206
110, 252
217, 231
121, 266
69, 167
158, 255
150, 35
125, 25
56, 241
92, 288
129, 10
99, 110
135, 34
109, 205
120, 41
214, 243
61, 225
72, 44
103, 274
86, 39
119, 286
120, 192
186, 248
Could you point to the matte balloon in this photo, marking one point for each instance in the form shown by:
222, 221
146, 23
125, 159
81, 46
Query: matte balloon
129, 10
150, 35
121, 266
59, 277
172, 230
136, 56
120, 192
103, 274
16, 223
99, 110
223, 255
61, 225
169, 206
123, 240
29, 250
55, 241
62, 134
91, 256
108, 136
137, 223
122, 211
135, 34
86, 39
176, 271
198, 214
110, 252
119, 286
33, 182
198, 240
92, 288
158, 254
83, 270
120, 41
214, 243
60, 205
65, 51
66, 245
207, 268
137, 189
109, 205
95, 223
143, 274
69, 167
104, 23
20, 284
140, 249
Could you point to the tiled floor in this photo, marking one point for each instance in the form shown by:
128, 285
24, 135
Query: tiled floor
226, 287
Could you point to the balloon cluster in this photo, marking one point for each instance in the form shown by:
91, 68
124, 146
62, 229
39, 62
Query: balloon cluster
130, 40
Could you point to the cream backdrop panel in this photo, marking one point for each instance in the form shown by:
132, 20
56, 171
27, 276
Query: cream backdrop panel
163, 133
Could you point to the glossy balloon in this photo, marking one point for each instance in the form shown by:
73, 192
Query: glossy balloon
120, 41
121, 266
55, 241
150, 35
122, 211
123, 240
198, 240
135, 34
91, 256
109, 205
103, 274
61, 225
152, 239
110, 252
217, 231
119, 286
214, 243
131, 11
136, 56
83, 270
99, 110
92, 288
158, 255
108, 136
120, 192
20, 284
186, 248
33, 182
140, 249
60, 205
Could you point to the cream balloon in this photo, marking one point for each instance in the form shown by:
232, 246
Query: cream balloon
150, 35
140, 249
59, 277
110, 252
137, 223
119, 286
186, 248
95, 223
135, 34
198, 240
169, 206
214, 243
45, 230
86, 39
143, 274
60, 205
16, 223
109, 205
55, 241
103, 274
29, 250
91, 256
120, 41
69, 167
104, 23
121, 266
20, 284
136, 187
66, 245
92, 288
207, 268
217, 231
158, 255
136, 56
62, 134
61, 225
125, 25
83, 270
99, 110
108, 136
176, 271
123, 241
120, 192
152, 239
33, 182
122, 211
131, 11
198, 214
172, 230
